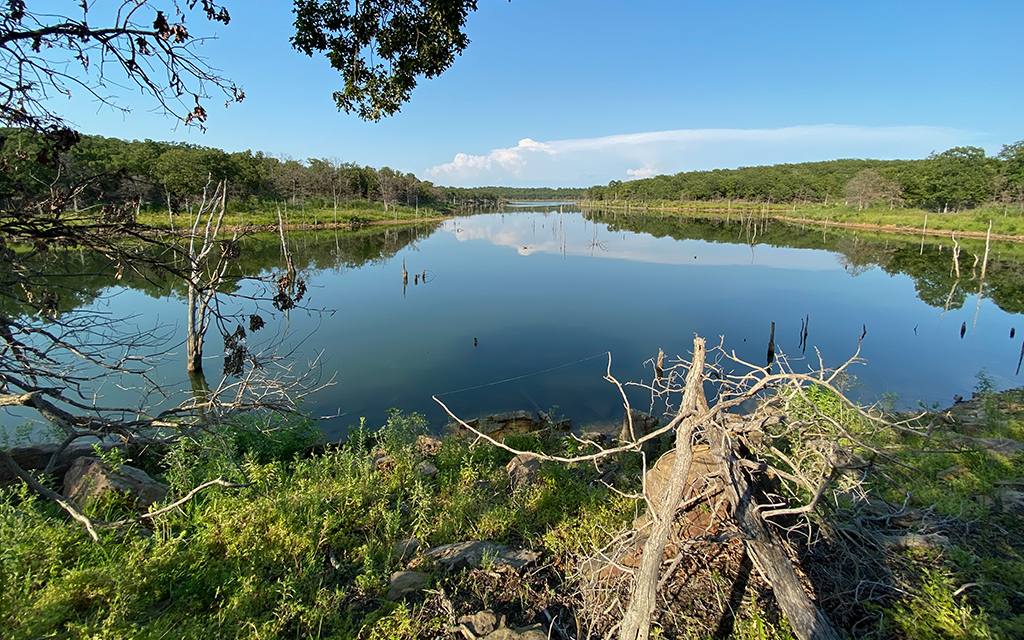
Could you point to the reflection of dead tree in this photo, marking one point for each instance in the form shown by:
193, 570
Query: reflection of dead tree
56, 368
956, 267
744, 459
597, 244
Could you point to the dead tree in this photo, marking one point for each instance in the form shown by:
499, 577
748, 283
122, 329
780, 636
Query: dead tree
55, 356
741, 464
205, 276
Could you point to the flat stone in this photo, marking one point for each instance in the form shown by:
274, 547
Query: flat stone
911, 541
404, 583
90, 479
1011, 501
511, 416
532, 632
471, 555
406, 548
426, 469
522, 470
481, 623
35, 457
1001, 446
952, 472
499, 425
428, 445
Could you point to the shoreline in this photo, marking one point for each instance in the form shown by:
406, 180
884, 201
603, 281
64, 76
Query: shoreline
784, 216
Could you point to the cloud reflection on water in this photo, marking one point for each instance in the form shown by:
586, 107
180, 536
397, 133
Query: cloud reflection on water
571, 235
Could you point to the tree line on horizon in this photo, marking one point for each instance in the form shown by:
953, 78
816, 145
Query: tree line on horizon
159, 175
955, 179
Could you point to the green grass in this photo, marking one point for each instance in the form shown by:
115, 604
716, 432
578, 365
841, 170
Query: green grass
263, 214
303, 552
1006, 220
972, 586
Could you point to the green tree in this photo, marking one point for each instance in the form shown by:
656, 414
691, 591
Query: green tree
382, 47
959, 177
1012, 157
186, 171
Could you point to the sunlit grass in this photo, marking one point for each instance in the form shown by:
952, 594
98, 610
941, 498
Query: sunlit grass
263, 214
1006, 220
286, 556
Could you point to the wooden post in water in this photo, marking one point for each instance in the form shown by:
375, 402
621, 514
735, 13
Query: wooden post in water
771, 347
988, 240
956, 255
984, 266
923, 231
405, 278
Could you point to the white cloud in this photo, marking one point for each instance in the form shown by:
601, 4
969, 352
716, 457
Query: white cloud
645, 171
588, 161
509, 160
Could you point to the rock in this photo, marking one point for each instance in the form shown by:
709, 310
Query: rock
405, 548
643, 424
404, 583
1000, 446
381, 460
428, 446
911, 541
426, 469
498, 425
480, 624
510, 416
522, 470
619, 562
1011, 501
90, 479
471, 555
952, 472
532, 632
558, 425
702, 468
35, 457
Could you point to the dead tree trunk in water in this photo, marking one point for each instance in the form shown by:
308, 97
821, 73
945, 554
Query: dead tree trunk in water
204, 279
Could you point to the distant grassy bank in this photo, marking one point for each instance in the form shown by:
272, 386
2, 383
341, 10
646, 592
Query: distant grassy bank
298, 217
1007, 221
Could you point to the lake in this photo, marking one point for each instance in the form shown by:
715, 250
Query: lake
520, 309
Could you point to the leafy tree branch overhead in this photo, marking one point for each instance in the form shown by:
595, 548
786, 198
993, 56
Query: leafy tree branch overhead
101, 48
382, 47
151, 47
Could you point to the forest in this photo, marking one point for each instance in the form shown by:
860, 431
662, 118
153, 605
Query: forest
160, 175
955, 179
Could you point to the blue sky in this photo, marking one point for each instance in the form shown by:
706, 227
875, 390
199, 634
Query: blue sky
576, 93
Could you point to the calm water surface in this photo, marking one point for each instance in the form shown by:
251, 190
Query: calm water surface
518, 311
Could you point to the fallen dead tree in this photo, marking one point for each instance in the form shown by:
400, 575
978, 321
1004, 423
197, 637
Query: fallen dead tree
737, 471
